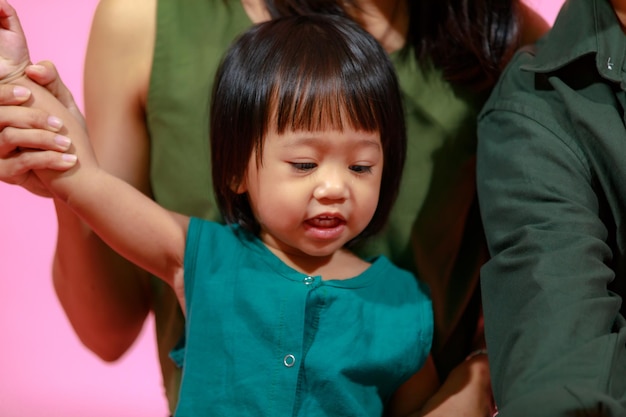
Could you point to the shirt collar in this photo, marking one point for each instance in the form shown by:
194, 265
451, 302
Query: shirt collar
574, 35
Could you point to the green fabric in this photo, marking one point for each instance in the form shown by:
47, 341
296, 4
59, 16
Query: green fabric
352, 342
552, 188
434, 229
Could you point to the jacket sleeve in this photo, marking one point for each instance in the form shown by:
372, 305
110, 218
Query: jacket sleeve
555, 336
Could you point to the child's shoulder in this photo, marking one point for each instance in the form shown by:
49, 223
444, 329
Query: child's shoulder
392, 275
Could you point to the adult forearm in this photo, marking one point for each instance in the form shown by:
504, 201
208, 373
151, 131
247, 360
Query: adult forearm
105, 297
466, 392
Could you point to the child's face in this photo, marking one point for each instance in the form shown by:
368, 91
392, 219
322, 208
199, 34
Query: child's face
315, 191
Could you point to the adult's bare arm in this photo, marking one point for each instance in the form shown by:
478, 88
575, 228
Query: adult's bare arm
104, 296
466, 392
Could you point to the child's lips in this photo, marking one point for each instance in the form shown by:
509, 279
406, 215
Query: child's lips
325, 227
326, 221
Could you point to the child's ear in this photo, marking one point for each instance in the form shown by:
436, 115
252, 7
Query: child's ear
239, 186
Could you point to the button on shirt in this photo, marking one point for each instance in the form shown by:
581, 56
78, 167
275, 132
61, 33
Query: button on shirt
265, 340
552, 192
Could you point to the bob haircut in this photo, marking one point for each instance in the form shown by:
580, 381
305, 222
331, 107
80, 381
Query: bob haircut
302, 73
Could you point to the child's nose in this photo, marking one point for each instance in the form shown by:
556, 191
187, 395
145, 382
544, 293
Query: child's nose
332, 186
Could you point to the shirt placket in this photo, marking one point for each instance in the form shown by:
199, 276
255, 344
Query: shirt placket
291, 347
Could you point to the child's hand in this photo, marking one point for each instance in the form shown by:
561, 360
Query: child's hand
13, 49
61, 179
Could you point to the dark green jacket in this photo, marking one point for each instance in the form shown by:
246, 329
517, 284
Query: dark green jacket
552, 192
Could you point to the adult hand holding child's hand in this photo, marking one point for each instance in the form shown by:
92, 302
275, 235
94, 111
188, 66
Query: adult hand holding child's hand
28, 136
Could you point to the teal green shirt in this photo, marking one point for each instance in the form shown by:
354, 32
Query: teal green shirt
552, 188
434, 230
265, 340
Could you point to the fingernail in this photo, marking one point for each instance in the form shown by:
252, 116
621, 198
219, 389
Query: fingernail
54, 122
70, 158
62, 141
21, 92
37, 68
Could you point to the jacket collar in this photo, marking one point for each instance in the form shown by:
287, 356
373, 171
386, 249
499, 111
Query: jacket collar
583, 27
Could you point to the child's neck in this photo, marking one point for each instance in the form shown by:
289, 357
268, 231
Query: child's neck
340, 265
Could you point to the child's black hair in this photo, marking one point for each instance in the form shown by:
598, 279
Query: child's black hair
310, 73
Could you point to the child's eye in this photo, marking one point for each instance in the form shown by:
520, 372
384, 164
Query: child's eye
361, 169
303, 166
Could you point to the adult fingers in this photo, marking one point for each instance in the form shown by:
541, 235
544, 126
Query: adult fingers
24, 150
22, 161
13, 94
28, 117
12, 139
30, 182
45, 74
17, 168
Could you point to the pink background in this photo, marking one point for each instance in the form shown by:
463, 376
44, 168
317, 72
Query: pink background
44, 369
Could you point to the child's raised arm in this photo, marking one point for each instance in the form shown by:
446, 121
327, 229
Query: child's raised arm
14, 55
127, 220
